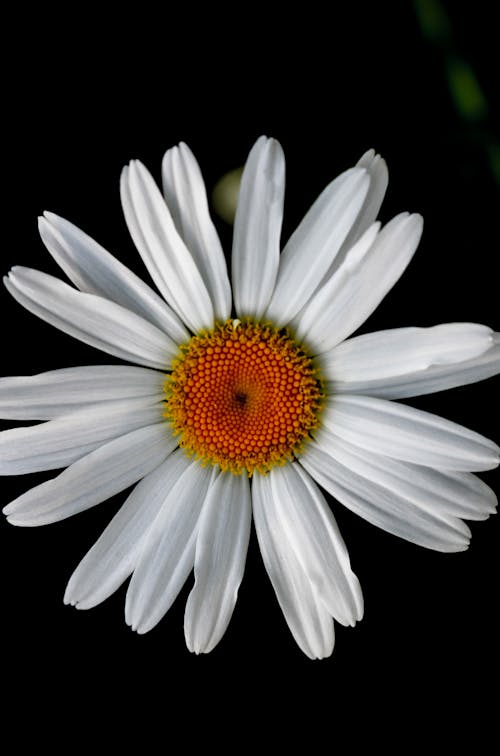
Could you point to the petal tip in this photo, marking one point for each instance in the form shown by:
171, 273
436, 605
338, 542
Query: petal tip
13, 520
417, 219
50, 217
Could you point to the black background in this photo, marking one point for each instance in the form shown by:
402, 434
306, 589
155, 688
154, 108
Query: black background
83, 96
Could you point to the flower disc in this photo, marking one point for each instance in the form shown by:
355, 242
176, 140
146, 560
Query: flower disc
244, 396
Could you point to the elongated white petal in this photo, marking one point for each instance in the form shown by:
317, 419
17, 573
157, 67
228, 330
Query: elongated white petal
442, 492
115, 554
221, 550
305, 614
353, 292
186, 198
305, 322
60, 442
96, 477
397, 352
313, 246
257, 228
95, 321
436, 377
167, 557
382, 507
57, 392
379, 179
165, 255
314, 535
408, 434
94, 270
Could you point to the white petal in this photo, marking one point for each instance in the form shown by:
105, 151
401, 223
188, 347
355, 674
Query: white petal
95, 321
313, 246
408, 434
186, 198
257, 228
442, 492
399, 351
379, 179
221, 550
316, 540
115, 554
433, 378
60, 442
96, 477
165, 255
381, 506
306, 323
353, 292
167, 557
305, 614
57, 392
94, 270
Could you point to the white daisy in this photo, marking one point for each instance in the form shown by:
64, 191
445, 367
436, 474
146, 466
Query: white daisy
234, 411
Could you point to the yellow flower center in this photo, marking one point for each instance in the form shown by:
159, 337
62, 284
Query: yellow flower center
244, 396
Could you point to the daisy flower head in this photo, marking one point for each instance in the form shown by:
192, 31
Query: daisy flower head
240, 399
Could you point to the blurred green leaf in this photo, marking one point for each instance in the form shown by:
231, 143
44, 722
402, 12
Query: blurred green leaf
433, 20
465, 90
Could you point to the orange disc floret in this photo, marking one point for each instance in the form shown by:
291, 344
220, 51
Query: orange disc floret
243, 396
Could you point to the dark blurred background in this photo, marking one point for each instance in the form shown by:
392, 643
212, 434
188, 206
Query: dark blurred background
416, 81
